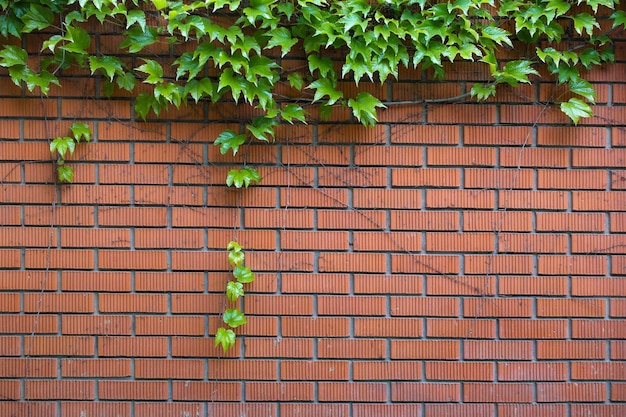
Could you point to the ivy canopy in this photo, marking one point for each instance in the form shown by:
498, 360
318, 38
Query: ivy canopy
232, 49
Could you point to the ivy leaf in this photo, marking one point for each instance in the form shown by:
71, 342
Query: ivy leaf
146, 102
37, 18
234, 317
234, 290
225, 338
236, 83
154, 71
42, 80
136, 38
108, 64
12, 56
566, 73
136, 16
293, 111
515, 72
496, 34
235, 253
61, 145
81, 131
242, 177
575, 108
127, 81
228, 139
78, 40
584, 22
65, 173
619, 18
295, 80
243, 274
590, 57
200, 88
364, 108
159, 4
262, 128
325, 87
280, 37
483, 91
583, 88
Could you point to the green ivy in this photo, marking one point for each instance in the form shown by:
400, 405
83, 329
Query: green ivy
64, 146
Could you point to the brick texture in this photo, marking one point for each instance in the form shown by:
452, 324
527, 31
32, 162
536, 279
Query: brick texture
469, 261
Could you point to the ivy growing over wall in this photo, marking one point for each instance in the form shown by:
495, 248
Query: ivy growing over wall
231, 50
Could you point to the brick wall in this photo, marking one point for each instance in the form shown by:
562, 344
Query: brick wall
455, 260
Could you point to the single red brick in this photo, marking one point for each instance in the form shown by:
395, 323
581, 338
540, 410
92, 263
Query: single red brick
10, 346
373, 198
432, 264
95, 368
532, 410
456, 328
170, 325
95, 325
20, 323
461, 114
595, 244
572, 265
28, 368
570, 349
169, 281
317, 155
308, 240
277, 347
423, 134
169, 369
351, 220
59, 345
461, 156
279, 305
205, 391
58, 259
460, 371
396, 410
526, 371
315, 326
425, 306
352, 391
497, 349
318, 370
465, 410
59, 390
132, 390
95, 281
498, 264
548, 307
533, 329
495, 135
387, 284
333, 305
394, 370
291, 198
455, 199
426, 177
279, 391
351, 348
59, 303
426, 349
497, 393
384, 155
387, 327
512, 285
199, 347
618, 391
499, 307
352, 262
425, 392
617, 221
598, 370
112, 408
599, 410
422, 220
532, 243
243, 369
497, 221
598, 201
459, 242
488, 178
571, 392
460, 285
314, 410
132, 216
534, 157
28, 237
112, 346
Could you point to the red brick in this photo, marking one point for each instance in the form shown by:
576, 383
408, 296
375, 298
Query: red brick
532, 410
425, 349
387, 284
28, 368
59, 345
433, 264
387, 327
531, 114
423, 134
307, 240
598, 329
318, 370
425, 306
102, 194
459, 242
570, 349
351, 348
455, 328
461, 113
29, 107
460, 285
10, 390
618, 391
618, 180
572, 265
238, 369
598, 370
168, 325
317, 155
578, 136
352, 262
570, 222
169, 238
571, 392
488, 178
533, 329
96, 368
279, 261
272, 305
143, 260
291, 198
28, 237
497, 393
533, 200
277, 347
10, 215
595, 244
425, 177
526, 371
95, 238
534, 157
315, 326
372, 198
132, 303
498, 264
129, 390
198, 347
532, 243
96, 325
279, 391
461, 156
495, 135
10, 346
305, 283
454, 199
121, 409
132, 216
95, 281
387, 155
58, 389
59, 303
461, 371
571, 179
547, 307
425, 392
189, 260
617, 308
119, 346
599, 410
40, 323
350, 220
523, 285
598, 201
497, 349
314, 410
59, 259
465, 410
352, 391
332, 305
396, 410
395, 370
496, 221
421, 221
601, 158
499, 307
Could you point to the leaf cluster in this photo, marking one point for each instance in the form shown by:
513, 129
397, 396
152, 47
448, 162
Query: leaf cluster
63, 146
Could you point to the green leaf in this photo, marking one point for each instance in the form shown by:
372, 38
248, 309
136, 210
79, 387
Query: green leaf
262, 128
65, 173
81, 131
37, 18
127, 81
295, 80
12, 55
583, 88
619, 18
515, 72
135, 39
225, 338
243, 274
364, 108
483, 91
280, 37
235, 83
228, 139
107, 64
584, 22
496, 34
62, 145
589, 57
235, 253
234, 317
136, 16
575, 108
242, 177
146, 102
154, 71
160, 4
325, 87
78, 41
291, 112
234, 290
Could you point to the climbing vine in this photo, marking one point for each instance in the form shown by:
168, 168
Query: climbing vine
233, 51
